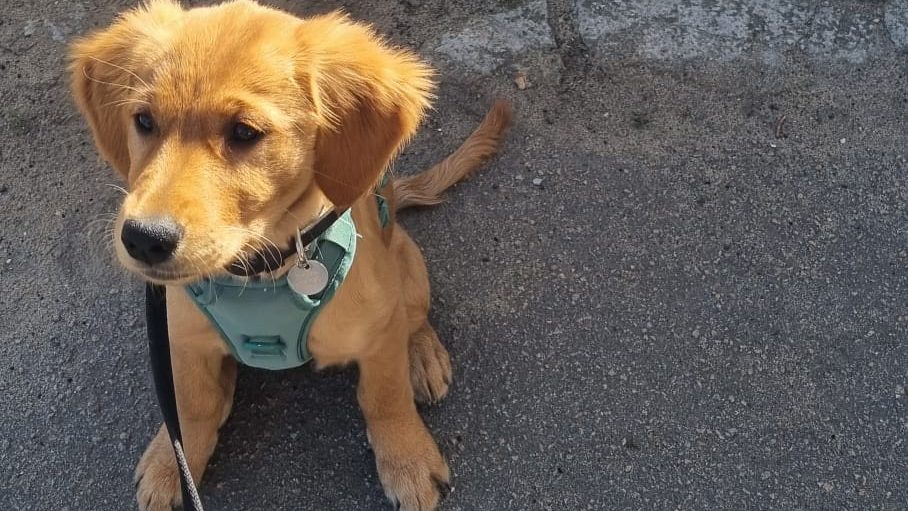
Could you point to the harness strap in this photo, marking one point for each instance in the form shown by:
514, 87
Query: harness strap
162, 372
271, 258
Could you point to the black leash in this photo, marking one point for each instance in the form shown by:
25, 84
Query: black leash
162, 372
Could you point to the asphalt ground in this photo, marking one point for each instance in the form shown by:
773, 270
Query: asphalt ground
682, 285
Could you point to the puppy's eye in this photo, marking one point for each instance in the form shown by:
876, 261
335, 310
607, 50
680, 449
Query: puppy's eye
242, 133
144, 123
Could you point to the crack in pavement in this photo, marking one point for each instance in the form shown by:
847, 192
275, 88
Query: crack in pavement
565, 29
808, 23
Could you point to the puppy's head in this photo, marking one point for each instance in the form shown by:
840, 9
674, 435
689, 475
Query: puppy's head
234, 125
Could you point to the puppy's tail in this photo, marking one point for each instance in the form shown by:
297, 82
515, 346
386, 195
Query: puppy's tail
426, 188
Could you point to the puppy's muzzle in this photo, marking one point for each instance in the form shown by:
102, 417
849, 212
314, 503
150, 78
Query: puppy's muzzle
151, 240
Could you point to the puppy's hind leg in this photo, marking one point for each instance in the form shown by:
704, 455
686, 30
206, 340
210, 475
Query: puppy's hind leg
430, 365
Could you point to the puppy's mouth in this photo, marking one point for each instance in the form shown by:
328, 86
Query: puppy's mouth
196, 260
264, 260
244, 264
185, 266
165, 277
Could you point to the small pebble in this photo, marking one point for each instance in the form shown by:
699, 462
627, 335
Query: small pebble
537, 181
521, 80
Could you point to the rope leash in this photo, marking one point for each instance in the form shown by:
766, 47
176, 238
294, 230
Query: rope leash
162, 372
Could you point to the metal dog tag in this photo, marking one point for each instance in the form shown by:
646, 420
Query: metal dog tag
308, 279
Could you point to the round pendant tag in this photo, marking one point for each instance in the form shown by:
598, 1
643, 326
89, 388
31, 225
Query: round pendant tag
308, 281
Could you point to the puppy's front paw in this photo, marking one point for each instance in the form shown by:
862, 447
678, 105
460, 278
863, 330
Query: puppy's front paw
430, 366
411, 469
157, 479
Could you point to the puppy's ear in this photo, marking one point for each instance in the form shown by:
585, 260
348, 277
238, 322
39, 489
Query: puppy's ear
104, 71
368, 100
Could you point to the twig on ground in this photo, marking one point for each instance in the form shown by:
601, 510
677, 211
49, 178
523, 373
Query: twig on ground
780, 127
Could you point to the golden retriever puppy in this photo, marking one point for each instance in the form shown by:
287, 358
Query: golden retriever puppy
235, 126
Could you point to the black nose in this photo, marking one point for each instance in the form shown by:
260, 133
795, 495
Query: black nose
151, 240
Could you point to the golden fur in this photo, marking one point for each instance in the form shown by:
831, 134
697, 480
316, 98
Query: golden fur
335, 103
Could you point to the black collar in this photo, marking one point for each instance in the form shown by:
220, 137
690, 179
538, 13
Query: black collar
271, 258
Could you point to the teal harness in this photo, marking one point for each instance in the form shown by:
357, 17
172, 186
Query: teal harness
265, 323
